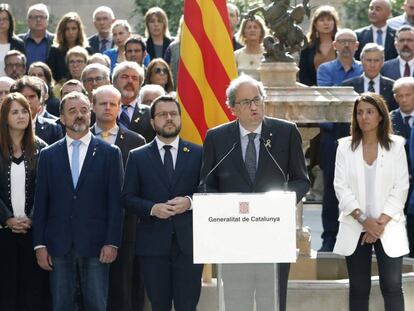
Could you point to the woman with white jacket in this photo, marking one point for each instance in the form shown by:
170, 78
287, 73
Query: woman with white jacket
371, 184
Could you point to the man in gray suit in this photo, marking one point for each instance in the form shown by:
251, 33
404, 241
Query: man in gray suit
263, 154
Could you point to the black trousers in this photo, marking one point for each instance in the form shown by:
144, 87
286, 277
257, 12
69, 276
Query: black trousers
359, 270
410, 233
23, 284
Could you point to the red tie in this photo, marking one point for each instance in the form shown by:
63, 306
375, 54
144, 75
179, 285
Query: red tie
407, 71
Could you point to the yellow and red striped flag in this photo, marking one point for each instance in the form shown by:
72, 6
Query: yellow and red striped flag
206, 67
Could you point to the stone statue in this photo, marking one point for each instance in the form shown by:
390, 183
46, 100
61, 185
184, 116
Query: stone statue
286, 36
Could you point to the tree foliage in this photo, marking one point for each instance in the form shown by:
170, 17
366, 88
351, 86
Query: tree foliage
357, 12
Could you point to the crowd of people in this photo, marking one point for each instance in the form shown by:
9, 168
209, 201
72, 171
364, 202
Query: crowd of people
97, 185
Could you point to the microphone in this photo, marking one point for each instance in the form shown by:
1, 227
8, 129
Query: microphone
285, 183
204, 182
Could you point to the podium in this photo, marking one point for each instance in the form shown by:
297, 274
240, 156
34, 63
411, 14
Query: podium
246, 235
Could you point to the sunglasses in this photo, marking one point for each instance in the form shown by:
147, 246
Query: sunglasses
159, 71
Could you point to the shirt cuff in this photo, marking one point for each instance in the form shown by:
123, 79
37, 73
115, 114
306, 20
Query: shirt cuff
191, 202
39, 246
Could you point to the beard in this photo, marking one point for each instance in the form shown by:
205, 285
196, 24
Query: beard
79, 126
163, 132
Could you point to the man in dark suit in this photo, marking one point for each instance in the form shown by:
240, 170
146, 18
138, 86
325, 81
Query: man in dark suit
403, 65
234, 19
372, 59
160, 179
31, 88
127, 78
402, 123
37, 41
378, 31
126, 289
265, 154
103, 17
78, 217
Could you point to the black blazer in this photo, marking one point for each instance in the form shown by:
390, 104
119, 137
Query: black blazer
140, 122
48, 130
282, 140
94, 43
6, 209
386, 85
126, 140
365, 36
398, 124
307, 70
52, 105
17, 44
151, 50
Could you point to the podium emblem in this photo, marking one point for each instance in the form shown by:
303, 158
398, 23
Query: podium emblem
243, 207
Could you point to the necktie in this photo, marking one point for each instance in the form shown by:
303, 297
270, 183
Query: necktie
250, 158
75, 162
124, 118
379, 37
105, 135
371, 86
103, 45
168, 161
407, 126
407, 70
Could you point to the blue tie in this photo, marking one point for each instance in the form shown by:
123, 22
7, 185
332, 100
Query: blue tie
168, 161
124, 118
379, 37
103, 46
75, 162
250, 157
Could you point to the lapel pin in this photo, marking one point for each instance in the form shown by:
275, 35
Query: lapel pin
94, 151
121, 137
185, 149
268, 143
136, 120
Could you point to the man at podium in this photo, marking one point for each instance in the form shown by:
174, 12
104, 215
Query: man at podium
256, 154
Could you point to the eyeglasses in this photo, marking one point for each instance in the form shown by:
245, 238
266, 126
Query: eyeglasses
165, 114
18, 65
91, 80
258, 100
76, 62
345, 42
37, 17
159, 71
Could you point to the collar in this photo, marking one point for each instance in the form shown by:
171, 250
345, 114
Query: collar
174, 144
109, 38
244, 132
407, 114
354, 66
376, 79
112, 131
85, 139
133, 103
402, 62
383, 28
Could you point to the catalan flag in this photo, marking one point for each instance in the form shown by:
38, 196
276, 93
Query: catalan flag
206, 67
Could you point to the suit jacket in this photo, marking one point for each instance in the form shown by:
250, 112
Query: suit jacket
84, 218
94, 43
48, 130
391, 69
391, 188
140, 122
17, 44
398, 124
126, 140
146, 184
386, 86
151, 50
365, 35
285, 145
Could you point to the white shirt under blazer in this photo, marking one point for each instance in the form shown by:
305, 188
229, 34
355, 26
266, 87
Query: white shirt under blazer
391, 187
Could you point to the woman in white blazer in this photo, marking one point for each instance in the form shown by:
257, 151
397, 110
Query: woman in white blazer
371, 183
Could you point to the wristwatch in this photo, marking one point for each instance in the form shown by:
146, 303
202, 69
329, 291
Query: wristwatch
360, 217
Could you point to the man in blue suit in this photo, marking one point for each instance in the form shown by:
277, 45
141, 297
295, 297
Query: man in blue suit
103, 17
403, 65
160, 179
78, 217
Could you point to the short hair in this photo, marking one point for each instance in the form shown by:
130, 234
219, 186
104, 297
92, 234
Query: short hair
372, 47
136, 39
4, 7
105, 88
96, 57
236, 83
402, 29
384, 129
7, 80
47, 72
163, 98
232, 7
128, 65
27, 81
75, 83
103, 9
160, 14
347, 31
17, 53
401, 82
103, 70
38, 7
256, 19
74, 95
79, 51
121, 23
151, 88
43, 86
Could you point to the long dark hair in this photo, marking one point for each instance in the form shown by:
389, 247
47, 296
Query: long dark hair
4, 7
384, 129
28, 142
322, 11
60, 38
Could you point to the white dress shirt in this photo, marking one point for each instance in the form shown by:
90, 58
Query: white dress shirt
375, 34
83, 148
244, 140
376, 83
174, 149
402, 66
